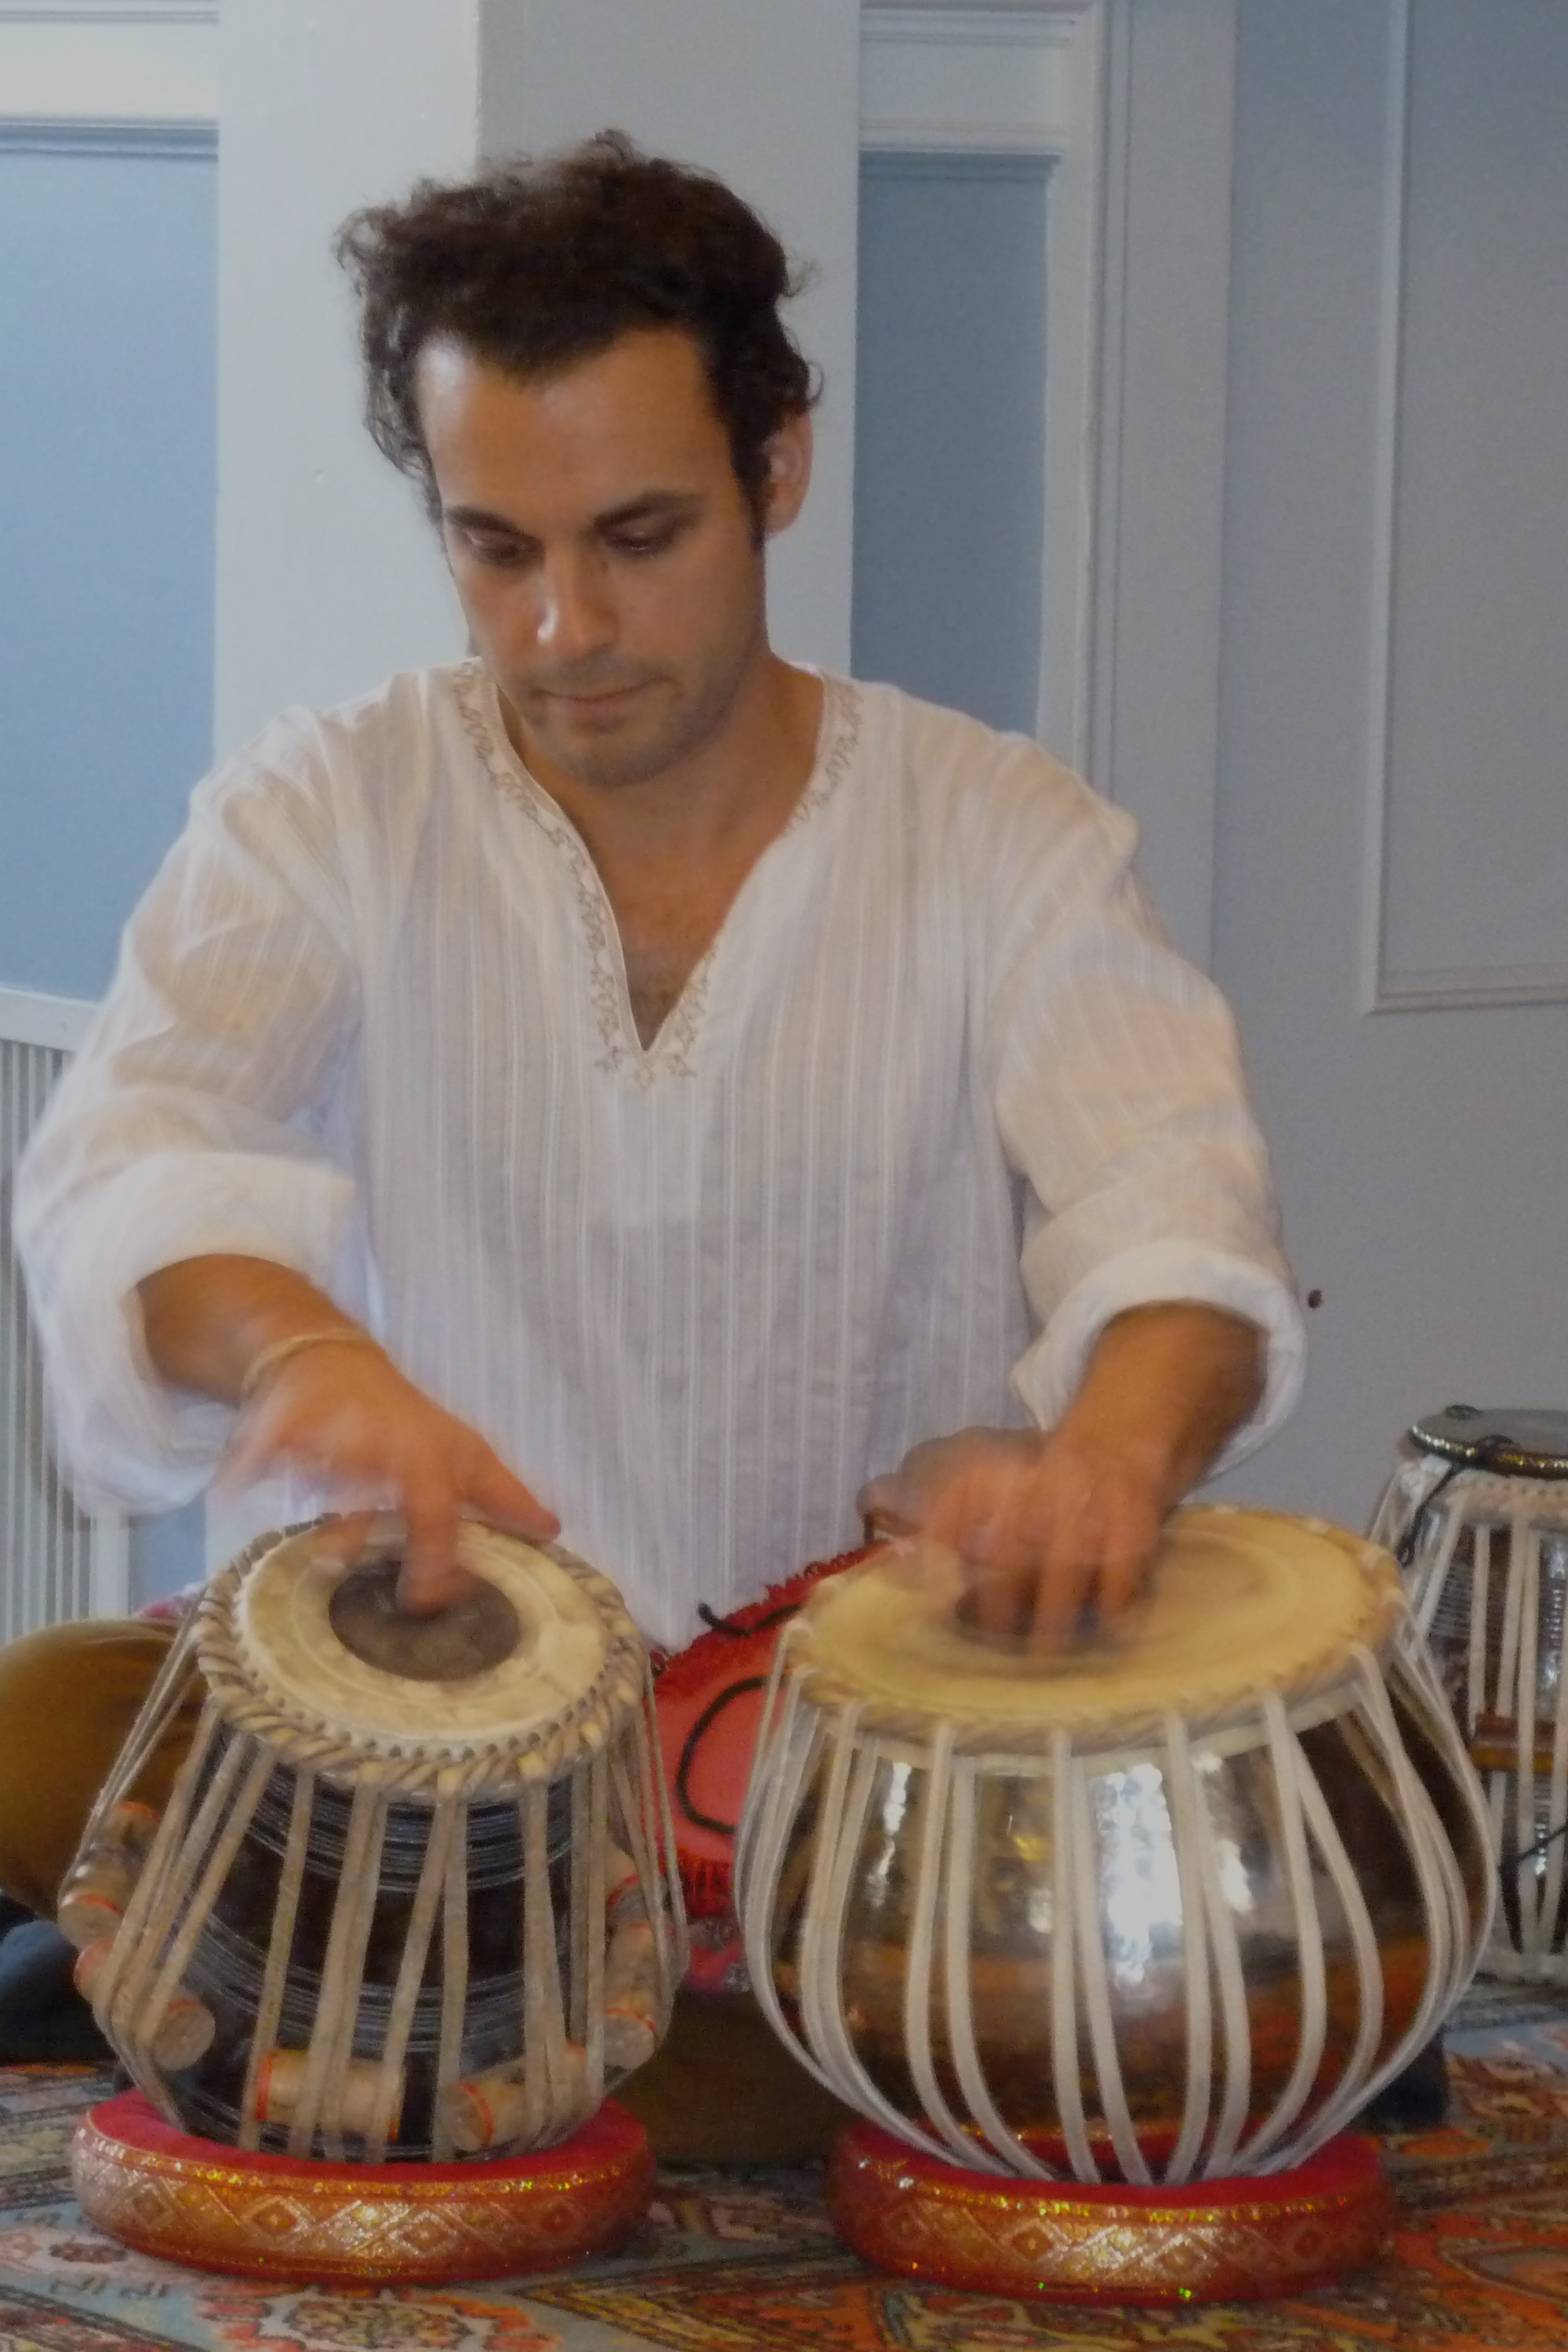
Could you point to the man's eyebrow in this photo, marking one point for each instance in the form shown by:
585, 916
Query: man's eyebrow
652, 506
481, 519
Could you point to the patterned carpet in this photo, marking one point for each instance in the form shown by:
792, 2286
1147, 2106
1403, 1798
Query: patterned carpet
748, 2263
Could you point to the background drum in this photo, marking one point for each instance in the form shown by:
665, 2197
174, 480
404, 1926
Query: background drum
1477, 1514
1167, 1908
708, 1701
414, 1892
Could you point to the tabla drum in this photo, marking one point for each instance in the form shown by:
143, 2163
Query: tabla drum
1477, 1514
1165, 1908
414, 1893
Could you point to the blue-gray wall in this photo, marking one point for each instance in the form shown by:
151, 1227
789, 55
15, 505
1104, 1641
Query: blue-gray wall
950, 444
108, 270
108, 308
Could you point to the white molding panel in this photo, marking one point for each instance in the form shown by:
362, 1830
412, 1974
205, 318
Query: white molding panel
1026, 82
1448, 987
1130, 103
43, 134
1380, 663
1390, 984
145, 63
108, 12
991, 80
1157, 407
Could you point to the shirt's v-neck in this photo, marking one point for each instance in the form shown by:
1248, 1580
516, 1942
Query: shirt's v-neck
668, 1053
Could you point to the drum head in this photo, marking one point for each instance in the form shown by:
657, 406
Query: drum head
1516, 1442
1238, 1604
333, 1652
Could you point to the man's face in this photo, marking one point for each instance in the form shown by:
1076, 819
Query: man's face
604, 550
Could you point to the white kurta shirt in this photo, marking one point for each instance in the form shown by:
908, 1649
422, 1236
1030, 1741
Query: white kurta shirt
938, 1102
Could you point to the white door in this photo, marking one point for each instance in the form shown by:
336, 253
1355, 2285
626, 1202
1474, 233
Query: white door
1391, 865
1321, 617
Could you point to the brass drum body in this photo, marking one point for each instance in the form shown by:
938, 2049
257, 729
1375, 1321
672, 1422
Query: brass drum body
1477, 1514
1113, 1915
387, 1917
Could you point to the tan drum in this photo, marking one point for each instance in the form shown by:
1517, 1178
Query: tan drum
1163, 1909
1477, 1514
414, 1891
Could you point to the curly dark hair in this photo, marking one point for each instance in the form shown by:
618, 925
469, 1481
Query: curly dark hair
538, 264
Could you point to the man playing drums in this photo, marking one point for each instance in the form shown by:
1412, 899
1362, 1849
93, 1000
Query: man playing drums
721, 1096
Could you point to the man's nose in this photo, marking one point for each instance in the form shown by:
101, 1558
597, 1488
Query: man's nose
577, 615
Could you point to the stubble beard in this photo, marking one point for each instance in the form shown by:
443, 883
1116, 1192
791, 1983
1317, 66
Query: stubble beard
671, 737
613, 766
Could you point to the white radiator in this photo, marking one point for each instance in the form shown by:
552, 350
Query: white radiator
56, 1560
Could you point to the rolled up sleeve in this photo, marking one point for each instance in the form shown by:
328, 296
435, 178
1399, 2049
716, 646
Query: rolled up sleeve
1123, 1108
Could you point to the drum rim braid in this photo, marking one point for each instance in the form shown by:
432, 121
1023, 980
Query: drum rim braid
1200, 1699
1313, 1682
469, 1765
1499, 1450
1228, 1731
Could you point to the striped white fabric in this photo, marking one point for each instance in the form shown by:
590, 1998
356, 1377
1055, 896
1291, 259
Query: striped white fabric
937, 1103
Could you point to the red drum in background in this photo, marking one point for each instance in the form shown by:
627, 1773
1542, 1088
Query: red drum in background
708, 1702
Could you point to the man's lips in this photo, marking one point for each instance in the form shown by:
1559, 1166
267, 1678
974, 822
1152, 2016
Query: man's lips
594, 702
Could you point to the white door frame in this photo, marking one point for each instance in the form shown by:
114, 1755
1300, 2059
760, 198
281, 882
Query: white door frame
1130, 103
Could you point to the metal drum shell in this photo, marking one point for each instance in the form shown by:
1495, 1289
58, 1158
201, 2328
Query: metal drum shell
1253, 1937
227, 1966
1485, 1554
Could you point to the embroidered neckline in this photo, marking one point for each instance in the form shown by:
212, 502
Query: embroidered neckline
621, 1048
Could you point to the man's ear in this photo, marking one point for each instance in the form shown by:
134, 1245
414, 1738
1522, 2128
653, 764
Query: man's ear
789, 473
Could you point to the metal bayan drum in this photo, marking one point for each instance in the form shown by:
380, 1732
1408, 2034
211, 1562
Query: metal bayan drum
1164, 1909
1477, 1514
415, 1889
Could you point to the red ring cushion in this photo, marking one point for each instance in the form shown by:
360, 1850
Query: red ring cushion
195, 2200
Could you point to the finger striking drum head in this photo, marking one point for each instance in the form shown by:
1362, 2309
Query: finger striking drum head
1239, 1603
523, 1651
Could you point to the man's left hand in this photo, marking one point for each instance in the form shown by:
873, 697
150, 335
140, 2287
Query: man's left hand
1056, 1529
1052, 1536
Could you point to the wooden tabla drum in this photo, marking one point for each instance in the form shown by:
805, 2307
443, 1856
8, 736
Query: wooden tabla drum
414, 1894
1477, 1515
1163, 1909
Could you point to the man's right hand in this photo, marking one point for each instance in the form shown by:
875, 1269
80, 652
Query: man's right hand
339, 1411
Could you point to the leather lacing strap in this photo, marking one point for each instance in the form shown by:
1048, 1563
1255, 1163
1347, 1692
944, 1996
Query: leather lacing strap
717, 1705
